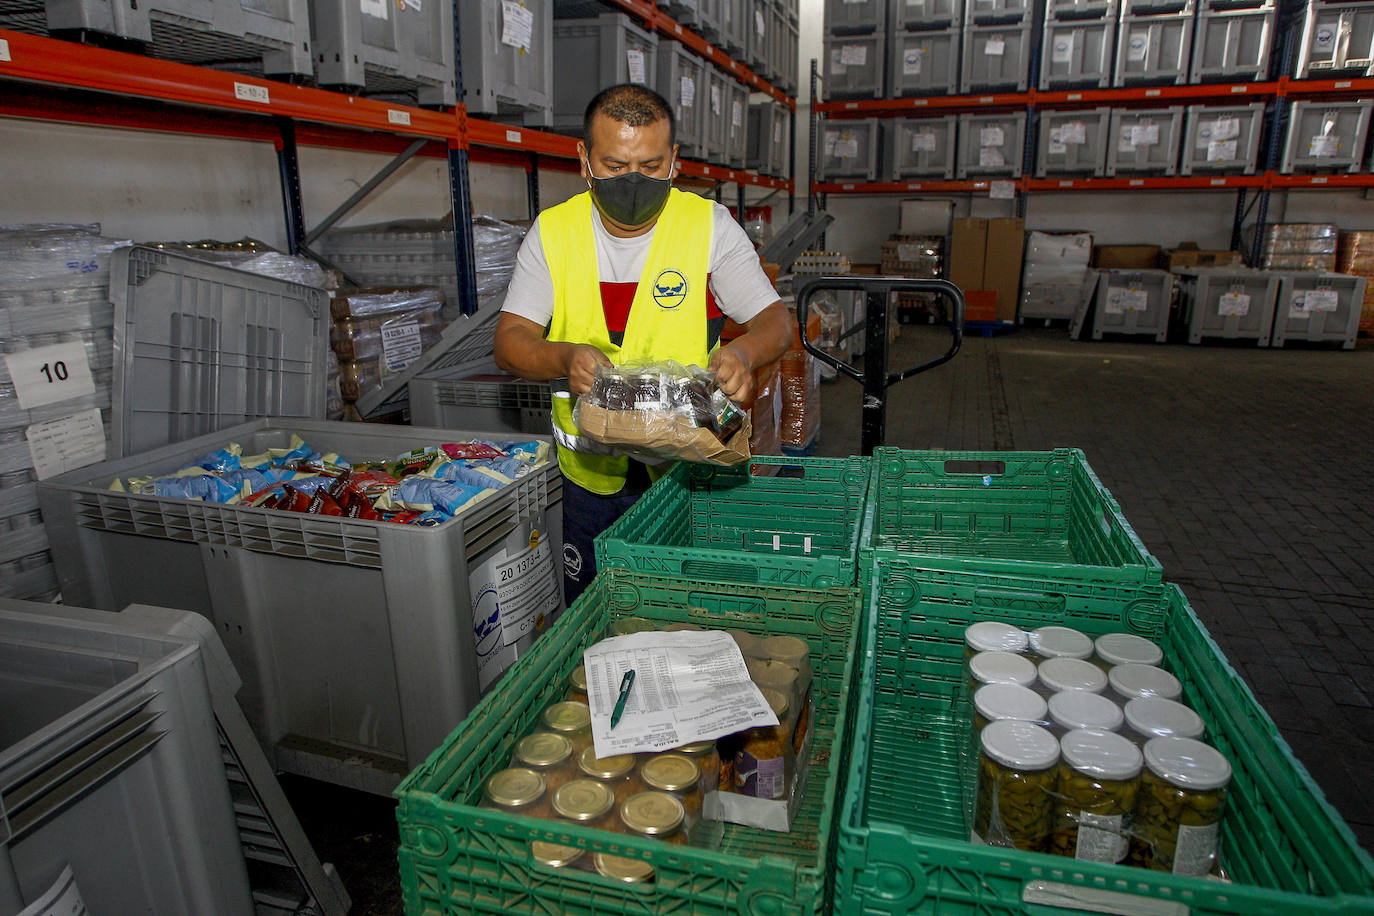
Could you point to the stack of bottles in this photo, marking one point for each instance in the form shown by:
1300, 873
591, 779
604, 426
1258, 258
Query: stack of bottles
378, 332
920, 256
1355, 256
1085, 749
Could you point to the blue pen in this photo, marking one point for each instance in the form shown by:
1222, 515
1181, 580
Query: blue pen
625, 684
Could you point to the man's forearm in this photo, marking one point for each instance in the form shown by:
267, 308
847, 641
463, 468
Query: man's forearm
530, 356
768, 336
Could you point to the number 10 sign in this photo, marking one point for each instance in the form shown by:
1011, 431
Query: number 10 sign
48, 375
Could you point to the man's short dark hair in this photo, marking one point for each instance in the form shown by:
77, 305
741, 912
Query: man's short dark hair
632, 104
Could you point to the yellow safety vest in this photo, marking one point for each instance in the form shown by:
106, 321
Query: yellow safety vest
667, 317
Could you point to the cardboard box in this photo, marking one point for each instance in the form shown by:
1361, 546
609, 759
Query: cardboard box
1187, 255
985, 254
966, 253
980, 305
1126, 257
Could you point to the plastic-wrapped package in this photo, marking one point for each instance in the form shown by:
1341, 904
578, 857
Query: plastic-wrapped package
1355, 256
54, 256
766, 415
1056, 268
831, 338
379, 332
255, 257
384, 302
1300, 246
800, 375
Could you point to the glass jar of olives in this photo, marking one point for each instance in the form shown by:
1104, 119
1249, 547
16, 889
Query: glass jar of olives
1099, 779
1181, 804
679, 776
572, 720
1126, 649
586, 802
618, 772
1006, 701
1017, 778
1000, 668
549, 755
1130, 682
516, 791
1075, 709
656, 815
1156, 717
992, 636
1060, 642
1060, 674
577, 685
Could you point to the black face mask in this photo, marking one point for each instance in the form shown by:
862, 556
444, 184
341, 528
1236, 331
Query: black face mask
631, 199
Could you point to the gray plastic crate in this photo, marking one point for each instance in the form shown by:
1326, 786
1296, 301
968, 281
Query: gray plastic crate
1080, 9
359, 642
1000, 12
487, 399
854, 17
1326, 136
1154, 50
591, 54
757, 25
682, 81
1144, 141
1337, 40
996, 57
386, 48
716, 115
1232, 303
768, 138
702, 16
1222, 138
924, 15
1231, 43
202, 347
1077, 53
854, 66
731, 35
923, 63
921, 147
1133, 303
1318, 308
1072, 142
991, 144
737, 143
506, 74
849, 149
786, 51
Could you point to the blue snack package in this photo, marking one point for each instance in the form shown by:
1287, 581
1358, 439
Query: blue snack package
425, 493
471, 474
205, 487
430, 519
221, 460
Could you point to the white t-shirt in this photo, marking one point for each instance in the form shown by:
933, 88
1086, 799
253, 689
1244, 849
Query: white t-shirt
740, 286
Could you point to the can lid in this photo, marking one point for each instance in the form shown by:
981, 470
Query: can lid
583, 799
578, 678
768, 673
1020, 745
670, 772
1081, 709
631, 871
1009, 701
543, 749
515, 787
1072, 674
1060, 642
776, 700
1187, 763
568, 716
1133, 681
1156, 717
652, 813
612, 767
627, 625
788, 649
696, 749
553, 854
1102, 754
992, 636
1128, 649
1002, 668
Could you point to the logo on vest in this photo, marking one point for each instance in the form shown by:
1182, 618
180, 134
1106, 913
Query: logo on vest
670, 289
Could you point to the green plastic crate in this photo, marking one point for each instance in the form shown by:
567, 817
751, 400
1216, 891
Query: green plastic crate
775, 520
1017, 513
458, 858
903, 842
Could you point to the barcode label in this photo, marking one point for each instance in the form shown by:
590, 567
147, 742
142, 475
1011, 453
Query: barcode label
251, 93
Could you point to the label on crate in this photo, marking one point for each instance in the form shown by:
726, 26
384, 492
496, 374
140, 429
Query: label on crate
65, 444
4, 50
517, 25
715, 100
634, 63
848, 148
1324, 35
687, 91
854, 55
837, 67
1322, 300
736, 113
995, 47
249, 92
1221, 150
1062, 51
923, 141
991, 136
911, 61
401, 344
63, 897
1196, 853
758, 21
375, 8
1225, 129
1137, 46
990, 157
1324, 146
1233, 305
1002, 190
1100, 838
512, 595
1121, 300
1144, 134
1073, 133
50, 375
1057, 147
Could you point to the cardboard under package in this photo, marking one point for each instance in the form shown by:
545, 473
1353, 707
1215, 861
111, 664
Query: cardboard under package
663, 433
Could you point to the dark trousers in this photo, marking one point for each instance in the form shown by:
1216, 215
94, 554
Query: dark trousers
585, 515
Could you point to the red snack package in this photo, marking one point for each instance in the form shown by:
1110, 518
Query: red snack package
401, 517
459, 450
293, 500
324, 504
357, 505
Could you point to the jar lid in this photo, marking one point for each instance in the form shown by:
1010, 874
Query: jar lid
583, 799
1072, 674
1156, 717
627, 625
768, 673
1187, 763
1060, 642
1002, 668
631, 871
1009, 701
612, 767
788, 649
1020, 745
696, 749
1128, 649
652, 813
670, 772
747, 642
682, 628
991, 636
776, 700
1081, 709
515, 788
1102, 754
577, 678
554, 855
568, 716
543, 749
1133, 681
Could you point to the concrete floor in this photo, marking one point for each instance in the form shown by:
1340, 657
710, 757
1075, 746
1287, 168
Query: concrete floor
1246, 472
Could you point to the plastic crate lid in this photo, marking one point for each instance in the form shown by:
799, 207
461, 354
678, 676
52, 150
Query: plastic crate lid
200, 347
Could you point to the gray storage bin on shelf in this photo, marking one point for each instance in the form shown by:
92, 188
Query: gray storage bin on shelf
991, 144
591, 54
1222, 138
392, 50
1232, 41
1072, 142
731, 33
1154, 50
1232, 303
1337, 40
923, 63
508, 66
1326, 136
921, 147
682, 81
1144, 141
787, 49
484, 397
716, 115
996, 57
1318, 308
1077, 53
737, 143
768, 138
849, 149
757, 25
924, 15
854, 17
1133, 303
854, 66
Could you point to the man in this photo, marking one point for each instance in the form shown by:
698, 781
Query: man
632, 270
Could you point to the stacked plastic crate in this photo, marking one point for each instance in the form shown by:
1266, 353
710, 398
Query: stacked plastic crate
1155, 42
999, 38
854, 48
1337, 40
1080, 36
1232, 40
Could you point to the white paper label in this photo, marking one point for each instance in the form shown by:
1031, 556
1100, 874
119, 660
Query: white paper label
1062, 52
837, 67
854, 55
634, 60
1196, 853
908, 251
1325, 35
374, 8
412, 5
4, 50
995, 47
1225, 128
1125, 144
1221, 150
1233, 305
830, 144
847, 148
397, 116
1056, 142
512, 595
1145, 134
715, 100
1138, 45
911, 62
777, 132
1002, 190
1074, 133
923, 141
66, 444
1322, 300
758, 21
50, 375
62, 899
1324, 145
1121, 300
736, 113
990, 157
250, 92
688, 687
687, 90
1100, 838
517, 25
991, 136
401, 344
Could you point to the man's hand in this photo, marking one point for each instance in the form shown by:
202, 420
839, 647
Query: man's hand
733, 374
582, 363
